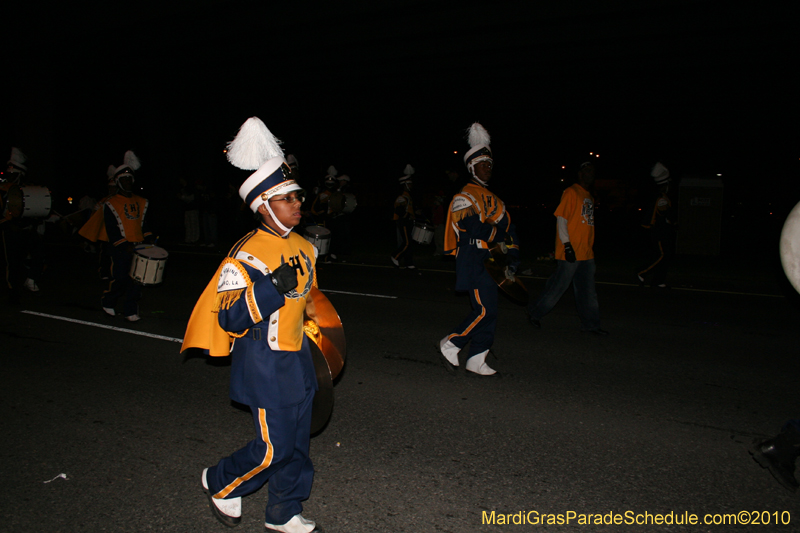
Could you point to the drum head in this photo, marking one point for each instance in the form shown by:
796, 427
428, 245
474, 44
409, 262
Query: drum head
15, 201
790, 247
151, 252
317, 231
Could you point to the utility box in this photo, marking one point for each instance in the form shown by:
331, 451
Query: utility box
699, 216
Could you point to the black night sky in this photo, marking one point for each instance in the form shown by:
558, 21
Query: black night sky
707, 87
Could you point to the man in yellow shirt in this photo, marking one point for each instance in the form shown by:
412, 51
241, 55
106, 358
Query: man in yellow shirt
575, 256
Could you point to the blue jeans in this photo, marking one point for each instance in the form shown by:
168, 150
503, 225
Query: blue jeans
581, 275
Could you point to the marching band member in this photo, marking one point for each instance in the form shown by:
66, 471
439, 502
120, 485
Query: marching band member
404, 222
321, 208
20, 239
121, 223
661, 229
253, 309
476, 219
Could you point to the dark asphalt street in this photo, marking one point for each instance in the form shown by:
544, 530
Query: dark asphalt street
655, 418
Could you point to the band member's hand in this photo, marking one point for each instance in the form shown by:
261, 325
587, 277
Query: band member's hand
285, 278
569, 253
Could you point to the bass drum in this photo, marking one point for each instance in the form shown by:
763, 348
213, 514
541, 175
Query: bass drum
328, 348
342, 202
29, 201
790, 247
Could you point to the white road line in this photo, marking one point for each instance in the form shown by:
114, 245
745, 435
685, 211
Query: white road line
361, 294
114, 328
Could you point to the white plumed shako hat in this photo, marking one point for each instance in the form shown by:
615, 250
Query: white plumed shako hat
407, 173
16, 162
479, 140
255, 148
130, 164
660, 174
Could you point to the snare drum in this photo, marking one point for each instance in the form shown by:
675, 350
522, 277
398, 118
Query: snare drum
422, 233
319, 237
147, 267
29, 201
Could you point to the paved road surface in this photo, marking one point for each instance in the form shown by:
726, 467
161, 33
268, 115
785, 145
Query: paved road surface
656, 418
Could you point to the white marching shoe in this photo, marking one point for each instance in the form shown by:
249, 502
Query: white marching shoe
477, 364
297, 524
229, 512
450, 353
31, 285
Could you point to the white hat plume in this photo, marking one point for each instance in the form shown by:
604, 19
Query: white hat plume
253, 145
409, 170
477, 135
131, 161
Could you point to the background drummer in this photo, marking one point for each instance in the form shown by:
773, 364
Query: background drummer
22, 246
340, 219
404, 216
320, 207
122, 219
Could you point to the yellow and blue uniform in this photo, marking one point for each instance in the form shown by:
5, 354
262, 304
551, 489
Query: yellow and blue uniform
476, 219
241, 313
120, 222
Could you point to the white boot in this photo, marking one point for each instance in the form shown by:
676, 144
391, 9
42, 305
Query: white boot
229, 512
477, 364
449, 351
297, 524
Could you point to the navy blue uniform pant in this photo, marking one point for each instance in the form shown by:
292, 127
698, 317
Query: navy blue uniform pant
479, 326
278, 454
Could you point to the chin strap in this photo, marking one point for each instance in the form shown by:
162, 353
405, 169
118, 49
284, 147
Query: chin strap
476, 178
286, 230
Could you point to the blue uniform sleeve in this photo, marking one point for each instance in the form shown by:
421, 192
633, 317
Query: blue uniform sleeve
243, 308
476, 229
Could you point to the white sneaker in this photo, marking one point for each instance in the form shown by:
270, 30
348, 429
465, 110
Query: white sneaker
449, 351
133, 318
477, 364
297, 524
31, 285
109, 311
229, 512
395, 262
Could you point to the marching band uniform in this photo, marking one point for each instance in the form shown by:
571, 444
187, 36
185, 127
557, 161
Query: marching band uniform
403, 256
660, 226
121, 223
19, 236
476, 219
247, 313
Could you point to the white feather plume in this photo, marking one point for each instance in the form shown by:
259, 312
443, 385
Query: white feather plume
131, 161
409, 170
111, 171
17, 157
478, 135
332, 171
253, 146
